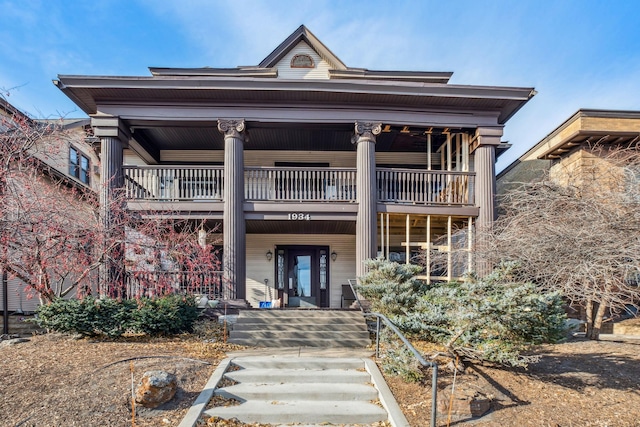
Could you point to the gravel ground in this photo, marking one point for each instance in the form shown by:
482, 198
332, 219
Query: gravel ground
54, 380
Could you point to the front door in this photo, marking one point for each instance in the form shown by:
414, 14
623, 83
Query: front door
305, 273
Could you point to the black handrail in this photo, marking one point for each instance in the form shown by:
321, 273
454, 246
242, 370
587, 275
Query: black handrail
410, 347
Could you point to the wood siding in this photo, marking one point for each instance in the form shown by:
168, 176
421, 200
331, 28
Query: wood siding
319, 71
338, 159
18, 298
131, 158
258, 268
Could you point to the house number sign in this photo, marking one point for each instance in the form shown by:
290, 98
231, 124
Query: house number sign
299, 216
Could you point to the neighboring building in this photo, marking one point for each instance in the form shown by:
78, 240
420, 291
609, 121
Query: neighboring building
307, 166
574, 147
583, 153
62, 158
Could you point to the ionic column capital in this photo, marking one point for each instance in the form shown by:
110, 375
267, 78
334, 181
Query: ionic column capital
366, 131
232, 128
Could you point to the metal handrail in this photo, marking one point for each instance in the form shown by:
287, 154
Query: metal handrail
410, 347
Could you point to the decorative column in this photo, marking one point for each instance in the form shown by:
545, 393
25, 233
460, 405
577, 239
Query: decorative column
366, 192
487, 138
114, 137
234, 239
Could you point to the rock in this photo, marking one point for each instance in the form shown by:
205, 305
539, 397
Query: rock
465, 403
156, 388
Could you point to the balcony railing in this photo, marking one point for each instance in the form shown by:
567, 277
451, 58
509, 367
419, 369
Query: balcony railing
157, 283
410, 186
173, 182
425, 187
300, 184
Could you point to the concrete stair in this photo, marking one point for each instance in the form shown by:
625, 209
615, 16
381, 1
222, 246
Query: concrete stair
299, 390
300, 328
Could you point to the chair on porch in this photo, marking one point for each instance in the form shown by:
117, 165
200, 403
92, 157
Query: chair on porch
348, 298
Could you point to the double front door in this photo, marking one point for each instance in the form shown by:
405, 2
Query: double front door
302, 274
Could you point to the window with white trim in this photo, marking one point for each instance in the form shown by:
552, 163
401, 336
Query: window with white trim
79, 165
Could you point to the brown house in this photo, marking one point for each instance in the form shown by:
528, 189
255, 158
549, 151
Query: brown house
573, 148
307, 166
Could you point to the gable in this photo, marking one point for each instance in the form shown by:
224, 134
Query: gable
300, 69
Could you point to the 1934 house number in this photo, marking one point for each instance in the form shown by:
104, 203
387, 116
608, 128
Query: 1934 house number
298, 216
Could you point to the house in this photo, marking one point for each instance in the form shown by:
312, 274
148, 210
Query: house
591, 162
305, 166
61, 166
574, 147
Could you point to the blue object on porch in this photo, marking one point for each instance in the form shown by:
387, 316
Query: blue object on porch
265, 304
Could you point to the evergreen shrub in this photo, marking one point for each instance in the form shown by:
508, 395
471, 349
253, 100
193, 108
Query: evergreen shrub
491, 319
89, 316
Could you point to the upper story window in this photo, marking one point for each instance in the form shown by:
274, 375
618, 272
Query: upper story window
79, 165
302, 61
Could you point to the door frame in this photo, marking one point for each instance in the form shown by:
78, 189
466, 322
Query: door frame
323, 299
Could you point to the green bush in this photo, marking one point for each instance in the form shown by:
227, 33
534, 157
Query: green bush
89, 316
168, 315
492, 319
391, 288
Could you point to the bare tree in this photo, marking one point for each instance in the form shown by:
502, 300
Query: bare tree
52, 236
578, 232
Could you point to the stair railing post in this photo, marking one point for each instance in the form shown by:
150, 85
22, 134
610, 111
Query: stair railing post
377, 336
434, 394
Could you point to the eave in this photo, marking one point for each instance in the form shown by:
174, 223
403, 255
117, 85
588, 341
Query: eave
587, 127
88, 91
415, 76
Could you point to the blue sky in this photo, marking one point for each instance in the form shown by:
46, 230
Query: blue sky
576, 54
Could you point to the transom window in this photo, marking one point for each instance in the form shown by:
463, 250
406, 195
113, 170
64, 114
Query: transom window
302, 61
79, 165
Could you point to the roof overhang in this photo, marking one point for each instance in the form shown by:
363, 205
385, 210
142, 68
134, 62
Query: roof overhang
88, 92
591, 127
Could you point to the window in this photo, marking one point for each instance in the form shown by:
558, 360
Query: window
79, 165
302, 61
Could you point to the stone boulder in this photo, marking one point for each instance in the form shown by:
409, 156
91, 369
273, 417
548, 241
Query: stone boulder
464, 405
156, 388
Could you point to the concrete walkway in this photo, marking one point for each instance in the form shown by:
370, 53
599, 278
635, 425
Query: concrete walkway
630, 339
300, 386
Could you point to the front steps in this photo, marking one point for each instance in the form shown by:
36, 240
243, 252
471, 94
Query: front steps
300, 328
299, 390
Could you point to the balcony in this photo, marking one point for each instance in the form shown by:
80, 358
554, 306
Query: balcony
173, 183
411, 186
277, 184
300, 184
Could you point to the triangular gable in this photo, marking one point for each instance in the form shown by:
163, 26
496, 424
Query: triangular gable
302, 62
291, 42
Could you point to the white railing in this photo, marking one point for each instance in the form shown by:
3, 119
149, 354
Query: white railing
184, 183
425, 187
173, 182
300, 184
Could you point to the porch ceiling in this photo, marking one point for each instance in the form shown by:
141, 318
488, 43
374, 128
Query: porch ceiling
270, 136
